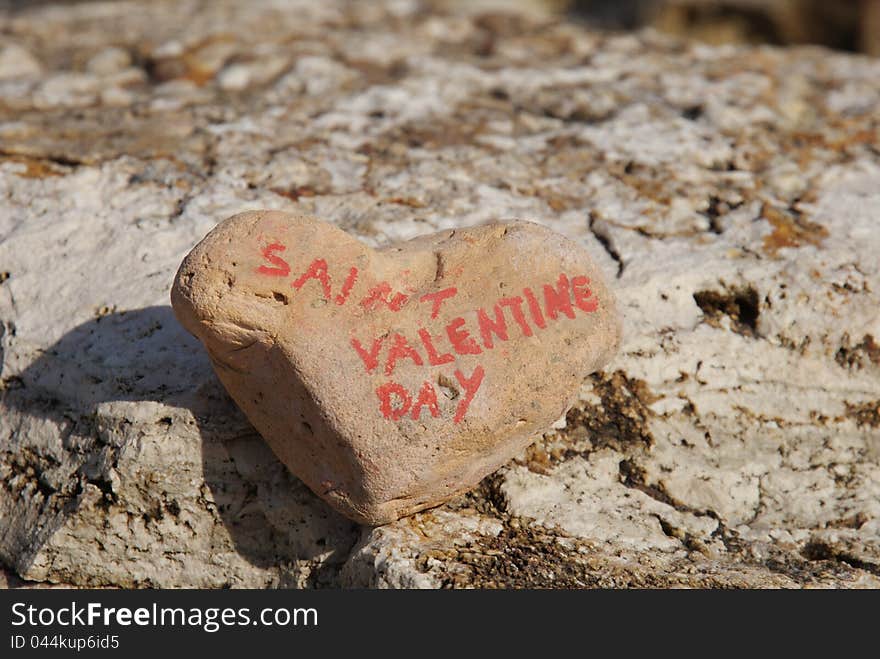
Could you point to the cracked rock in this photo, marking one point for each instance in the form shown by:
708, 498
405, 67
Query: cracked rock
728, 194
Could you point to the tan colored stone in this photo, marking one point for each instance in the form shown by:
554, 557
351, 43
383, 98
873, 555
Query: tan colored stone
390, 380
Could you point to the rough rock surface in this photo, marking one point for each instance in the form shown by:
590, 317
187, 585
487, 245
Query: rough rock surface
731, 193
335, 351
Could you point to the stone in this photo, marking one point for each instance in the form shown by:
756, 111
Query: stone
67, 90
109, 61
17, 62
242, 75
392, 380
728, 194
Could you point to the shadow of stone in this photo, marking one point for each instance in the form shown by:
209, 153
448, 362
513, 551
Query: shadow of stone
144, 356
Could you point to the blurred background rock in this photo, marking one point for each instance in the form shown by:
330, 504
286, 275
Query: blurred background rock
852, 25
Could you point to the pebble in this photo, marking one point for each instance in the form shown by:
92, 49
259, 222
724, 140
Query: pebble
67, 89
16, 62
109, 61
247, 74
391, 380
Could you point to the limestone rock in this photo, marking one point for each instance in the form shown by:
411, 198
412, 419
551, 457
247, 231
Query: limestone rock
729, 195
17, 62
392, 380
109, 61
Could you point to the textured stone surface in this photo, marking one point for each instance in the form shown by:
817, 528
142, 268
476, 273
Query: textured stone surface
731, 193
336, 351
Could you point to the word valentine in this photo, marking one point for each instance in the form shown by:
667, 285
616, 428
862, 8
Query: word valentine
523, 314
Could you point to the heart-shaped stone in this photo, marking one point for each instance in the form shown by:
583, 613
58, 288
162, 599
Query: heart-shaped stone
390, 380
